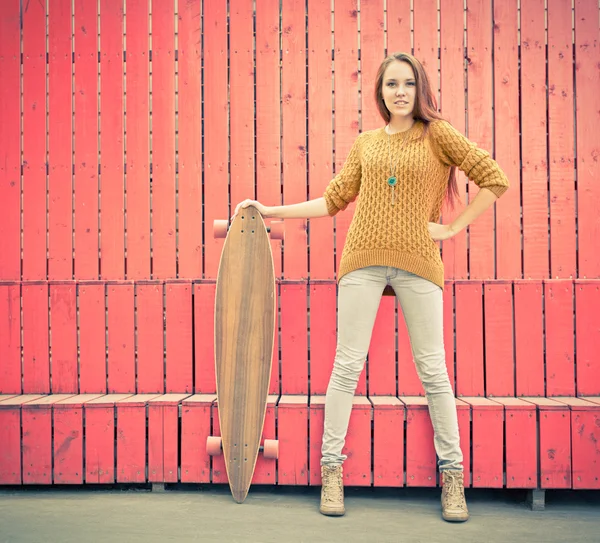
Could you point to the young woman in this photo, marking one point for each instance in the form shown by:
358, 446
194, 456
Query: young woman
402, 171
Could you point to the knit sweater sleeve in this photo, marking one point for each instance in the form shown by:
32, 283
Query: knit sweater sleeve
345, 186
454, 149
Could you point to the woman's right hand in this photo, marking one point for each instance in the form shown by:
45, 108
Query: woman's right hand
263, 210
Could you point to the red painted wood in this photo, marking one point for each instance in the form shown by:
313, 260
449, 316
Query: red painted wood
320, 126
480, 127
563, 244
381, 365
10, 339
372, 49
138, 139
323, 335
164, 234
449, 332
587, 80
533, 140
275, 384
499, 345
463, 411
346, 89
488, 442
190, 140
587, 337
34, 142
292, 433
409, 383
425, 33
506, 141
421, 460
179, 337
521, 451
294, 339
195, 428
265, 471
388, 441
398, 26
469, 339
204, 334
92, 338
452, 102
121, 338
60, 150
358, 448
10, 437
293, 109
316, 414
163, 438
218, 469
560, 356
36, 362
150, 338
529, 339
10, 146
268, 116
63, 330
216, 204
85, 99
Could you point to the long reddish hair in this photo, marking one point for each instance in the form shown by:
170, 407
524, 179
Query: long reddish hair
425, 108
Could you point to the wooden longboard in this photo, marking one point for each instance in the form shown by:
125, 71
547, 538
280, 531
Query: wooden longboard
245, 313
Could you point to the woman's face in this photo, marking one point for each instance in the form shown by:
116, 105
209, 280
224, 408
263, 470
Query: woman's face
399, 89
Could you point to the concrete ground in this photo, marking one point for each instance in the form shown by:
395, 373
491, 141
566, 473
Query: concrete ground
285, 515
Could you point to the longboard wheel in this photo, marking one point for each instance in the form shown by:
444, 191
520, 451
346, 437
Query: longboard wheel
213, 445
271, 448
220, 228
277, 230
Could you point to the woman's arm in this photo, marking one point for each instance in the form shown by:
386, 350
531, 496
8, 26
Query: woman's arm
304, 210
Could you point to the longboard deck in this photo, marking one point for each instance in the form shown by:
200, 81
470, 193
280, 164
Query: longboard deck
244, 335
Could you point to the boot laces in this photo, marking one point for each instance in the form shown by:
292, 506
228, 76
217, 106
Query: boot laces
333, 485
454, 491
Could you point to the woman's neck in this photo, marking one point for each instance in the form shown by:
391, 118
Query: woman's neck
401, 124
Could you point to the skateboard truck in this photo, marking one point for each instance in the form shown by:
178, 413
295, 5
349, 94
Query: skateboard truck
270, 447
276, 228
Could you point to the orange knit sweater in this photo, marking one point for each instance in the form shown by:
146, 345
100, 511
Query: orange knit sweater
382, 234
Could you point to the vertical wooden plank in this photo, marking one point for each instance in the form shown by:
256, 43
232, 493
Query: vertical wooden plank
293, 111
190, 139
34, 141
121, 339
204, 337
216, 202
506, 140
218, 469
294, 339
469, 339
480, 127
529, 338
587, 337
10, 339
86, 241
381, 366
585, 434
320, 125
179, 370
533, 140
346, 87
10, 145
358, 448
92, 338
425, 16
409, 383
463, 411
499, 345
164, 258
292, 433
112, 222
275, 382
195, 428
488, 443
323, 335
315, 438
63, 333
587, 81
138, 139
265, 471
372, 49
150, 338
36, 362
563, 244
268, 117
60, 137
421, 461
560, 355
398, 26
388, 441
449, 332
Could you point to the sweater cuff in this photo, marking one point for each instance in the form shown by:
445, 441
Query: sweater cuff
498, 190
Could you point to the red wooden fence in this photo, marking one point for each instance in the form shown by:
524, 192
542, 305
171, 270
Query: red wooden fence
127, 127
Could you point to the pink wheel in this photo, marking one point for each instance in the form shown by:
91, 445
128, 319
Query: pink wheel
220, 228
271, 448
277, 230
213, 445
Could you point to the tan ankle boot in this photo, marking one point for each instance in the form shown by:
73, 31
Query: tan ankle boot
454, 505
332, 491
